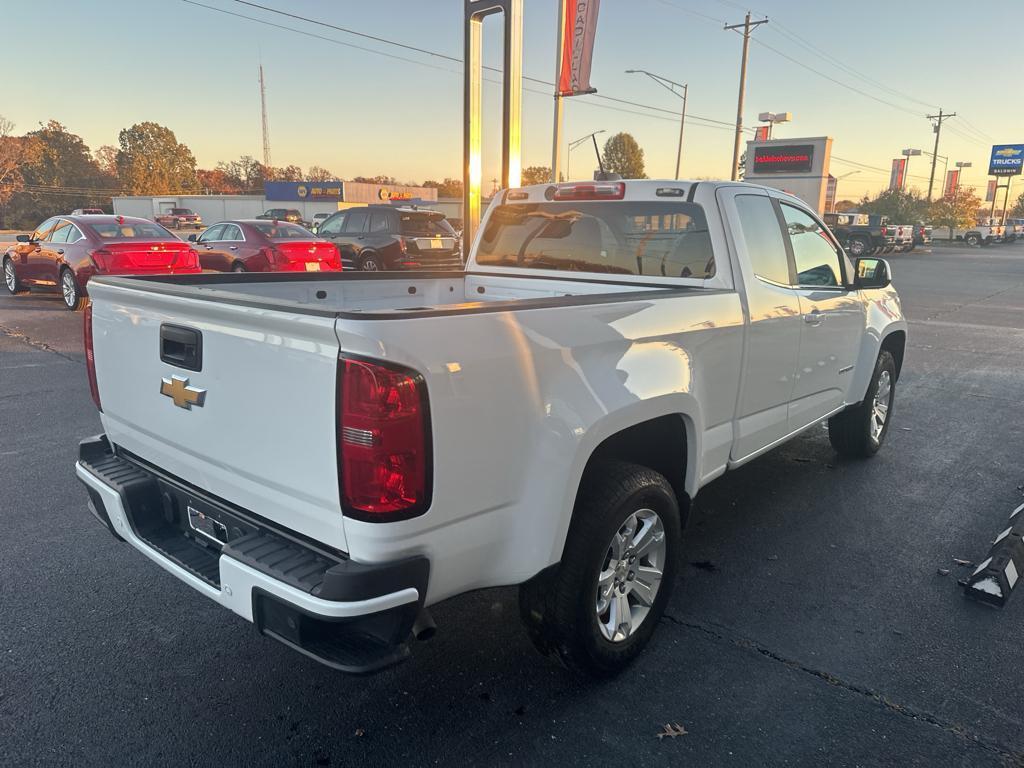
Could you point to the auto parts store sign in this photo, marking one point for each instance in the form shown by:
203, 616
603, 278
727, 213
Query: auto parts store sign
1006, 160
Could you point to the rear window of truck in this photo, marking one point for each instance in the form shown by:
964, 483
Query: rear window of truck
649, 238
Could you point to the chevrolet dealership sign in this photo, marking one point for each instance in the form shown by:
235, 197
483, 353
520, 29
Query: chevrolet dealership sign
1006, 160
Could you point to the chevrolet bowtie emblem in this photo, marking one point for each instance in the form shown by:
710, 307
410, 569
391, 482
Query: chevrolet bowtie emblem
181, 393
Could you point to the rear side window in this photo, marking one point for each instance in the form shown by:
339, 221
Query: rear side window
761, 231
231, 232
650, 238
355, 222
62, 232
379, 222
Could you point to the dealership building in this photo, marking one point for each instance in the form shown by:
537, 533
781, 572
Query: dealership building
797, 166
307, 197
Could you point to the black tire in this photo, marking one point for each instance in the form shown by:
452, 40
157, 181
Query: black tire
370, 263
238, 267
858, 246
69, 293
972, 238
13, 284
559, 607
851, 432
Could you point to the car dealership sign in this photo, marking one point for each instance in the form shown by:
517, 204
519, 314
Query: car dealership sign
1006, 160
793, 158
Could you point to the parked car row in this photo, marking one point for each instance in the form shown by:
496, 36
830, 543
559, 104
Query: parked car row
65, 251
865, 234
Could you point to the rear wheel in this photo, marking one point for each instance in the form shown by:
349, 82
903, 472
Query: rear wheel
859, 432
73, 299
600, 606
972, 238
370, 263
238, 267
11, 280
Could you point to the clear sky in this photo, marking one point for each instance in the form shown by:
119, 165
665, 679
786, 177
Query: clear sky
100, 66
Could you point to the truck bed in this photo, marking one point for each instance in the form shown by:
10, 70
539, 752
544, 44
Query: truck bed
368, 295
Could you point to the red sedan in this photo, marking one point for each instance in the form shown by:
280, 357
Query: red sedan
256, 245
65, 251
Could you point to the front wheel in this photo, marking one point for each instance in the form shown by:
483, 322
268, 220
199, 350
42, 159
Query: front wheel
858, 246
600, 605
73, 299
11, 280
370, 263
859, 432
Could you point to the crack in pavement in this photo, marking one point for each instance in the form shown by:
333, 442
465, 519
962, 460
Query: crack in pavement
972, 302
1013, 757
19, 336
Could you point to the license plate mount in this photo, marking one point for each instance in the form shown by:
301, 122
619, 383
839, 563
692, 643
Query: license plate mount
206, 525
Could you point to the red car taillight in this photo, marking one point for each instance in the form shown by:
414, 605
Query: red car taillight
101, 257
383, 452
90, 357
885, 231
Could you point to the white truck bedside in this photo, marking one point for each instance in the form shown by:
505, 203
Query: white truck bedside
327, 455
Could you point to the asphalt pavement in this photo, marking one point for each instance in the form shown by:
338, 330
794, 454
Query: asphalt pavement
810, 626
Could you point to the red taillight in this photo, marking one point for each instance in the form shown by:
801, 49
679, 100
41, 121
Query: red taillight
101, 258
90, 356
885, 231
383, 456
615, 190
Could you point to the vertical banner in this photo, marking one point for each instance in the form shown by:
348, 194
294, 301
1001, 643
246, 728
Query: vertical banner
830, 193
761, 134
990, 192
578, 47
952, 182
899, 166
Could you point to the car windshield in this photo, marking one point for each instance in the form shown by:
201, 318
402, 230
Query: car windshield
663, 239
181, 212
134, 230
282, 231
426, 224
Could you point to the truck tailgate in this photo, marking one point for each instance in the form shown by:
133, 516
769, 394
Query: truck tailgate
263, 437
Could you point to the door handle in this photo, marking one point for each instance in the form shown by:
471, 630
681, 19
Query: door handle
814, 318
60, 251
232, 247
208, 247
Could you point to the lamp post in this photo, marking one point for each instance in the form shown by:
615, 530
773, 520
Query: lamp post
774, 117
671, 85
573, 144
907, 153
960, 165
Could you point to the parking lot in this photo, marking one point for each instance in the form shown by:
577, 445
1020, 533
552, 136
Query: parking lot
812, 625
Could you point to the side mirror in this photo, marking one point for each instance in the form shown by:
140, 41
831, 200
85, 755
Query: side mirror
872, 273
24, 238
193, 237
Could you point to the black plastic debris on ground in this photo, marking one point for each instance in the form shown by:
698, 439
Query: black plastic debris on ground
993, 581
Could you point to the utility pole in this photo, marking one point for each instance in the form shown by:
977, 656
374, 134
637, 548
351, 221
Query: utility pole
747, 26
266, 130
556, 135
935, 154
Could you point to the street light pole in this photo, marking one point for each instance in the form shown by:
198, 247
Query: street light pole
671, 85
935, 154
960, 165
907, 153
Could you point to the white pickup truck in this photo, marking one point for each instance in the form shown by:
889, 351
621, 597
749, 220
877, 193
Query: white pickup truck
326, 455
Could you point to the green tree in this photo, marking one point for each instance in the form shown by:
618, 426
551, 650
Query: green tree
447, 188
152, 161
846, 205
16, 154
316, 173
60, 175
536, 174
902, 207
246, 173
375, 180
217, 182
1017, 211
622, 155
961, 211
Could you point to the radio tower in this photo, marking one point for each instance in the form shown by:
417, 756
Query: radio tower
266, 131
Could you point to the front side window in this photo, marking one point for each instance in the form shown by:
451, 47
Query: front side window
815, 254
333, 225
44, 230
212, 234
648, 238
761, 231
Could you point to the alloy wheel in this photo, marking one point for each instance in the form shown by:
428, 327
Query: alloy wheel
880, 405
9, 277
68, 288
630, 575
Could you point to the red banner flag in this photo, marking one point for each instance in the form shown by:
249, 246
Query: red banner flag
761, 134
990, 191
952, 182
899, 166
578, 46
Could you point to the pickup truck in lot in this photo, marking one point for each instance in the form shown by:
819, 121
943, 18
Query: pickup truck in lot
542, 419
862, 234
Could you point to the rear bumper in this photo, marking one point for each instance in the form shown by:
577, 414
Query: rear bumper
353, 617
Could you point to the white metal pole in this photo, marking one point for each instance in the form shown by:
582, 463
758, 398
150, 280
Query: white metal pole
556, 137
